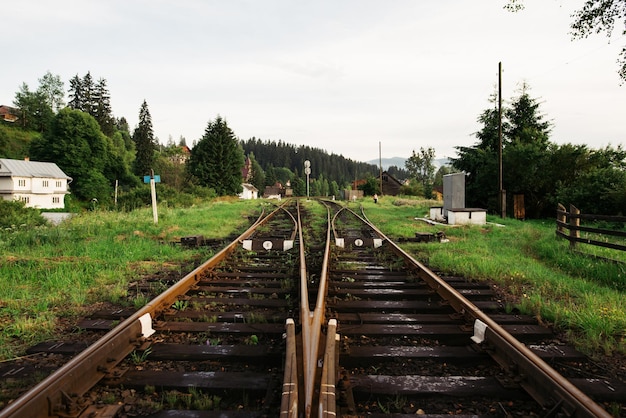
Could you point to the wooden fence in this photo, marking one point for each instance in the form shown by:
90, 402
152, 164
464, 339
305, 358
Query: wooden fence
571, 221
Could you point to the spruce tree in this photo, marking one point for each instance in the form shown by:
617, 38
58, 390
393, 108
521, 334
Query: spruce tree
102, 108
217, 159
76, 93
145, 145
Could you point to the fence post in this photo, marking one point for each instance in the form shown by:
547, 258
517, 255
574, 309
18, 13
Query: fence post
574, 222
561, 217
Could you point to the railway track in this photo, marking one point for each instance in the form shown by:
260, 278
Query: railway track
294, 320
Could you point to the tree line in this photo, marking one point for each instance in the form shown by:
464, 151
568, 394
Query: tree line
99, 152
543, 172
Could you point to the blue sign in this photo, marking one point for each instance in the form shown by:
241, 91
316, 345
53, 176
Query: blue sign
157, 179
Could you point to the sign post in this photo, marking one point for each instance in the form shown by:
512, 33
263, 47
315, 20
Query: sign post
152, 179
307, 171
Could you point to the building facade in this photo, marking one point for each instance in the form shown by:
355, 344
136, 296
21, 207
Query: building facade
38, 184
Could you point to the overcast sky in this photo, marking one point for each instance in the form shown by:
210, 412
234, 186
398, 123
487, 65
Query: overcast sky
340, 75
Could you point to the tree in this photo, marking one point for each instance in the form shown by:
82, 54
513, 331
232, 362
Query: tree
442, 171
593, 180
145, 145
35, 113
75, 93
525, 123
51, 87
525, 154
76, 144
371, 186
594, 17
420, 167
257, 178
217, 159
102, 108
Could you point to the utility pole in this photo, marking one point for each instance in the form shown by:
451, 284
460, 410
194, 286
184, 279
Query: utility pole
380, 164
501, 191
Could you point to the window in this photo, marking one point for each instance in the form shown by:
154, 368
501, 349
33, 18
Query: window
59, 183
56, 199
21, 183
25, 199
45, 183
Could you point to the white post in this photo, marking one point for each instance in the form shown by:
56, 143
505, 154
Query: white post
155, 215
307, 171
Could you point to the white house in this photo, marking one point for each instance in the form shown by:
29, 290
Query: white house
249, 191
37, 184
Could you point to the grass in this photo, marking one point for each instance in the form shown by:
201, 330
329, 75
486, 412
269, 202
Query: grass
49, 273
581, 296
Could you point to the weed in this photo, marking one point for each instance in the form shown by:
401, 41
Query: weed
251, 340
138, 357
140, 301
180, 305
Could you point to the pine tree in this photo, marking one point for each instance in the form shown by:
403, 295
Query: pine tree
145, 144
217, 159
526, 124
102, 108
76, 93
88, 94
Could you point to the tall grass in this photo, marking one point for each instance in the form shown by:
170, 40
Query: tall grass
51, 272
583, 297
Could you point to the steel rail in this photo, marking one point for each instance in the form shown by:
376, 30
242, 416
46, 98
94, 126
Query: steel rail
312, 320
289, 398
327, 401
541, 381
59, 394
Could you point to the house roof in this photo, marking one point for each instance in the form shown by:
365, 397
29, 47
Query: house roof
250, 187
23, 168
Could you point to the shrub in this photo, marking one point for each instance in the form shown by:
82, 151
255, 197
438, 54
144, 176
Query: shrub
15, 214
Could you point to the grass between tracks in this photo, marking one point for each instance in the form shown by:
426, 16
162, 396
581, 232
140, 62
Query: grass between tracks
51, 273
583, 297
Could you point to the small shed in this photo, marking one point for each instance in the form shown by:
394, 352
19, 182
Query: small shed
249, 191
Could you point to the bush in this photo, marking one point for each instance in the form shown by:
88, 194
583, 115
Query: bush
15, 214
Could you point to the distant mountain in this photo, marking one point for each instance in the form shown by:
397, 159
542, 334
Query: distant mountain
399, 162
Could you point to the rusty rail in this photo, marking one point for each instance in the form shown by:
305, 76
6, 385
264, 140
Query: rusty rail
542, 382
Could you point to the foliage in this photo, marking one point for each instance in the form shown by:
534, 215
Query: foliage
420, 167
94, 99
442, 171
51, 87
76, 144
414, 188
34, 112
145, 144
13, 214
334, 167
257, 177
599, 16
595, 16
543, 172
371, 186
14, 141
217, 159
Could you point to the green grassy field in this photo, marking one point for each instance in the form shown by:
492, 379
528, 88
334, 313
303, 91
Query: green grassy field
53, 274
582, 296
